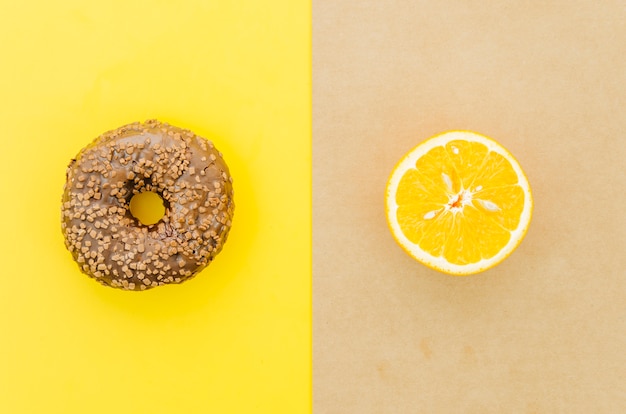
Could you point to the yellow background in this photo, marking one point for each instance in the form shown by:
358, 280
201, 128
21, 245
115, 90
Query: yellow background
236, 339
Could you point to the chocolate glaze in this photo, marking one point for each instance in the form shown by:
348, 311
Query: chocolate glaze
111, 245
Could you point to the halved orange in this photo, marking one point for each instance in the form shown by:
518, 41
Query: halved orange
459, 203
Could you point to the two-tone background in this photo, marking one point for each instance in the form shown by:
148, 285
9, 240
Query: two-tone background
311, 307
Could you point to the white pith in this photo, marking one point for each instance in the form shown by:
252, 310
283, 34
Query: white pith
439, 262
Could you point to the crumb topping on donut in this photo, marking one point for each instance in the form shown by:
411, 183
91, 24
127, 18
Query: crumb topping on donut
109, 243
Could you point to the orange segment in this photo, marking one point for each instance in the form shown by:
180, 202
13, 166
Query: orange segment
467, 158
459, 203
438, 170
484, 235
418, 188
507, 201
495, 172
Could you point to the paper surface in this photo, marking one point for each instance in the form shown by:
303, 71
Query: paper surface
543, 332
236, 339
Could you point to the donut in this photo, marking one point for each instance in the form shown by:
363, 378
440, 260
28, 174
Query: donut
116, 249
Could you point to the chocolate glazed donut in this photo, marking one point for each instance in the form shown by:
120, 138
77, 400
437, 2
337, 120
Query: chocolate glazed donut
109, 243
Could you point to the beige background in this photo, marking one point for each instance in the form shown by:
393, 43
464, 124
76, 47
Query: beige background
544, 332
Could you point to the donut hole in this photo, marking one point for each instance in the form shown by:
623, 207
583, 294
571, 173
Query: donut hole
147, 207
